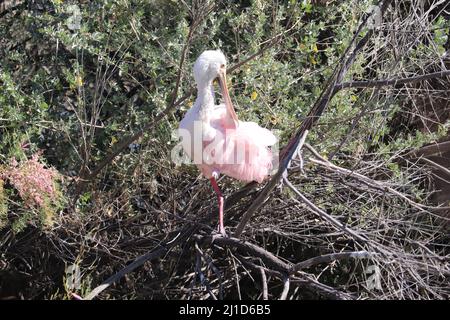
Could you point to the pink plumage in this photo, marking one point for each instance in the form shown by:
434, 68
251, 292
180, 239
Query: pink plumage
243, 151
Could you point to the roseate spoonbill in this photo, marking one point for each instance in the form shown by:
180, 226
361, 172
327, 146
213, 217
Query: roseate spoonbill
214, 138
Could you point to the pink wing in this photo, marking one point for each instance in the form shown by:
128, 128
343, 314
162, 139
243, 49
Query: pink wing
241, 153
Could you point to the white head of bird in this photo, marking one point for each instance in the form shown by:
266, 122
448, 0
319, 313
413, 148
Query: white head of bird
208, 66
212, 64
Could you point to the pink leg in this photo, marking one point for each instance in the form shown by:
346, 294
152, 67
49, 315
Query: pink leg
220, 199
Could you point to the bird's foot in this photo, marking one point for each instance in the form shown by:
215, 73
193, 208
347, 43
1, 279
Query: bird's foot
222, 231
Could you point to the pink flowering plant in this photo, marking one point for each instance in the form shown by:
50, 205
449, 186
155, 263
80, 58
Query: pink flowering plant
36, 185
3, 204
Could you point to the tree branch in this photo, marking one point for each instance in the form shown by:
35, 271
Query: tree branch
379, 185
435, 149
181, 236
246, 247
315, 285
302, 279
330, 257
323, 214
286, 283
265, 293
390, 82
435, 165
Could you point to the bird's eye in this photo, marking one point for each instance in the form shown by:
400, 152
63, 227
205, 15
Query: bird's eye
222, 66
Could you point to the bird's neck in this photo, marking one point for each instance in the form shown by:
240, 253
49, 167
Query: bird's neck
205, 95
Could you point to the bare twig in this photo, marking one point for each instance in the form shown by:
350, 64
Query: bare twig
286, 284
301, 279
201, 275
211, 265
252, 249
369, 182
330, 257
137, 263
321, 288
323, 214
438, 148
264, 284
436, 165
390, 82
266, 45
